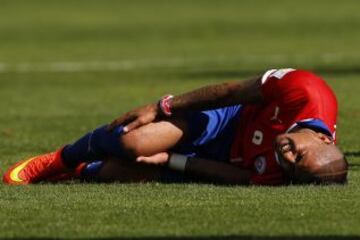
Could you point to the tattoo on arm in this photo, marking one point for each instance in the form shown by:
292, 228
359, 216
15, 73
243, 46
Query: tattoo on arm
220, 95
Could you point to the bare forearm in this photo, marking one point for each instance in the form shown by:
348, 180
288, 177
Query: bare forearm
199, 168
220, 95
216, 172
206, 98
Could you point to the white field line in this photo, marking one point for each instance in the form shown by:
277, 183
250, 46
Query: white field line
81, 66
123, 65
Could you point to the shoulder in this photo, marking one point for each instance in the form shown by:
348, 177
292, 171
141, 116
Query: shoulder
291, 83
301, 95
289, 78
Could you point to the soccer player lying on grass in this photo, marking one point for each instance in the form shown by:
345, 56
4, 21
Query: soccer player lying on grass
275, 129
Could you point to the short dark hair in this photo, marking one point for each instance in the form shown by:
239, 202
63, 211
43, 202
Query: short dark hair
335, 172
331, 168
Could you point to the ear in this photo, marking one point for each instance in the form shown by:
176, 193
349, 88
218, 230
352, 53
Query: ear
325, 138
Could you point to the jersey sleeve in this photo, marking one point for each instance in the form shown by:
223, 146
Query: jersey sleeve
282, 85
300, 95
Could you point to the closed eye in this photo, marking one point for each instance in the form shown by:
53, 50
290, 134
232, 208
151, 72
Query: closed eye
298, 158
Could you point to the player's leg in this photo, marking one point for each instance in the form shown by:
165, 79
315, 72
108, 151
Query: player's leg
147, 140
98, 144
204, 134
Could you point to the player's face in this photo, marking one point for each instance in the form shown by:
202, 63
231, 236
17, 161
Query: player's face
299, 151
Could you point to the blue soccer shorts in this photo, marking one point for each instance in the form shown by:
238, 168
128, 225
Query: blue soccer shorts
210, 135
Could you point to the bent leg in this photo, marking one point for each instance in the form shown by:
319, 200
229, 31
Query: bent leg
102, 144
154, 138
146, 140
206, 134
197, 129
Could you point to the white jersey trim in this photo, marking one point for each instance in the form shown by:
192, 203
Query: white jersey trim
278, 73
266, 75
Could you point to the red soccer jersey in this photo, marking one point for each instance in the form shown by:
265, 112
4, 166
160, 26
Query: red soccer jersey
292, 97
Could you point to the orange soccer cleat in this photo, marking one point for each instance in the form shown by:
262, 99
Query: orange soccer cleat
36, 169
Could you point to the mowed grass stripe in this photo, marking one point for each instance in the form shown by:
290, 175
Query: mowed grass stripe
182, 210
330, 61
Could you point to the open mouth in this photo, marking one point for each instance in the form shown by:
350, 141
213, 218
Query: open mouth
285, 148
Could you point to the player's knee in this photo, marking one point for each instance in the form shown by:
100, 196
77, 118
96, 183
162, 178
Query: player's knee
150, 139
132, 144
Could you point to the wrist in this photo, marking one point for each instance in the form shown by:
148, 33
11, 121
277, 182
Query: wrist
165, 105
177, 162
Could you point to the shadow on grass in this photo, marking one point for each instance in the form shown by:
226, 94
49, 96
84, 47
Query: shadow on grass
205, 237
353, 166
352, 154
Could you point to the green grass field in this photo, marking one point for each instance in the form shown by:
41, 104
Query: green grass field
69, 66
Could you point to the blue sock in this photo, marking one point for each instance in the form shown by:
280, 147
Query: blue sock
97, 144
91, 170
